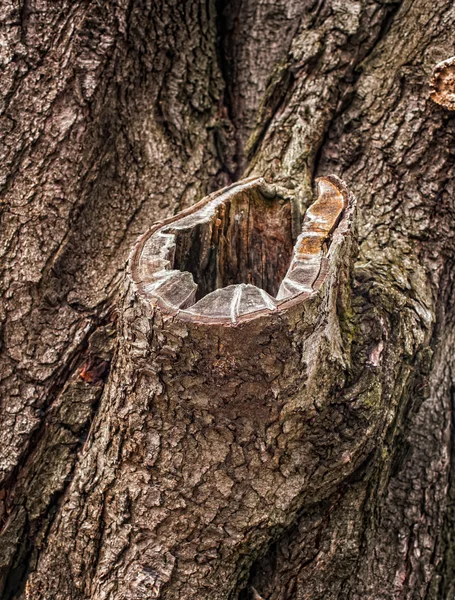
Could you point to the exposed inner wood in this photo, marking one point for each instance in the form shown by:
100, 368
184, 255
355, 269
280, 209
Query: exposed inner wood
237, 252
321, 219
249, 239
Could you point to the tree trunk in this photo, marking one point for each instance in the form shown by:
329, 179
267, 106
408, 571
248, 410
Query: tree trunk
304, 452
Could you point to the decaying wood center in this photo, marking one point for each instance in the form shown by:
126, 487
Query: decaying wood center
239, 252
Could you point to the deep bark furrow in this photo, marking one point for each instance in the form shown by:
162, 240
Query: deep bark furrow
255, 37
313, 85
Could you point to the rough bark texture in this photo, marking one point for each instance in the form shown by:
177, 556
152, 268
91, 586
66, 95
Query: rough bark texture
207, 440
116, 114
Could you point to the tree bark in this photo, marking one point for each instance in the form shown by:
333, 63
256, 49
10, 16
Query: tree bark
142, 457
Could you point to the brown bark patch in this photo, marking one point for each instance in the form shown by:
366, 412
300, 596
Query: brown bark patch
443, 84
